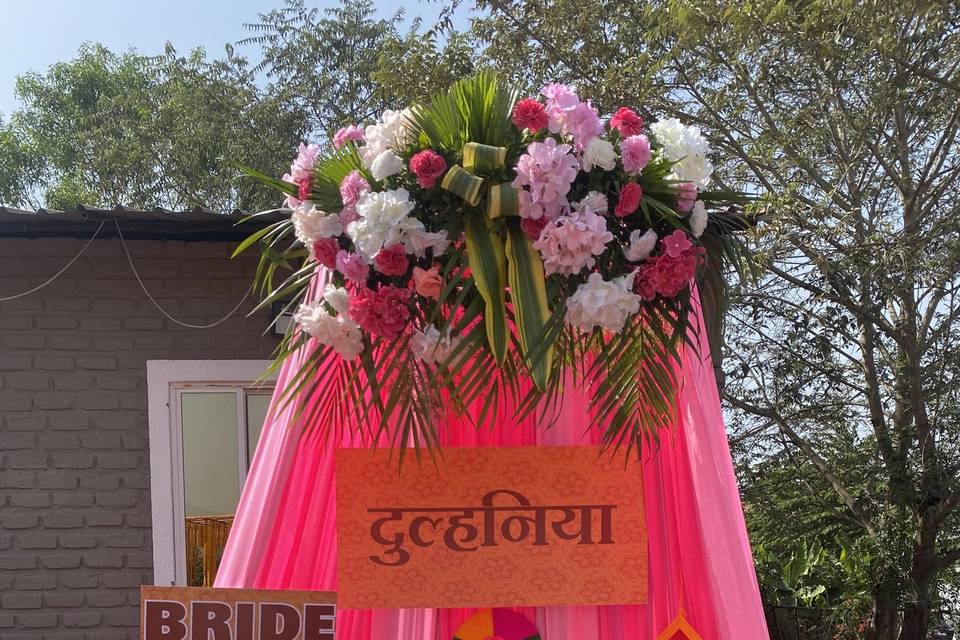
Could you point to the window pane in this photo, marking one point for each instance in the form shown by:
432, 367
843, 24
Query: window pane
211, 474
257, 407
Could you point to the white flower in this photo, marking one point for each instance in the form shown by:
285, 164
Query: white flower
311, 224
687, 147
698, 219
339, 299
641, 245
340, 333
418, 241
431, 346
386, 164
595, 202
392, 131
602, 303
384, 219
599, 153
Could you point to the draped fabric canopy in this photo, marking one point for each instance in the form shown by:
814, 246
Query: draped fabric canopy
284, 534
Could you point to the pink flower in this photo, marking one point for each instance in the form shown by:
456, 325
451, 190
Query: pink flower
428, 166
569, 116
391, 261
533, 226
568, 245
627, 122
667, 275
676, 243
629, 201
352, 187
530, 114
383, 312
428, 282
635, 153
547, 169
300, 170
352, 267
325, 252
686, 196
347, 134
304, 192
348, 214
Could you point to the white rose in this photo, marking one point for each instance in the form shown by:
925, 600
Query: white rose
698, 219
641, 245
599, 153
602, 303
386, 164
311, 224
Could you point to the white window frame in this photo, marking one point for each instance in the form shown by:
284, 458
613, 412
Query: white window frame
166, 380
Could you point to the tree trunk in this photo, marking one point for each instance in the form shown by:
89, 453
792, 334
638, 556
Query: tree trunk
884, 624
916, 620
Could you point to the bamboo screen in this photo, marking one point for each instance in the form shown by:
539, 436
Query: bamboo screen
206, 539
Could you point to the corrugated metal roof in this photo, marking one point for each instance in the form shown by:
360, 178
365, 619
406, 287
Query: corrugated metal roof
151, 224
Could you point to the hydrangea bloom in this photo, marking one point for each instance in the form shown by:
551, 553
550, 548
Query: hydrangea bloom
569, 116
547, 168
599, 153
383, 312
384, 219
311, 224
641, 245
670, 272
431, 346
351, 133
340, 333
687, 147
568, 245
391, 132
603, 303
635, 153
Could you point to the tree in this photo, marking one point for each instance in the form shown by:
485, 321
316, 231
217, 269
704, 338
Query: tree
843, 354
107, 129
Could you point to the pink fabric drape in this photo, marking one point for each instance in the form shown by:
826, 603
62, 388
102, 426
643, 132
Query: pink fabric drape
284, 534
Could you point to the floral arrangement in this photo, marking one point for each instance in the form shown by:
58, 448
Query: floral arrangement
480, 251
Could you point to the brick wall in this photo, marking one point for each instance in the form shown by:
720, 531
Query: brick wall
75, 536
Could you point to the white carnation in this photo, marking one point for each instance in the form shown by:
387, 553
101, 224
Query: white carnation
698, 219
418, 241
595, 202
384, 218
641, 245
386, 164
340, 333
431, 346
392, 132
339, 299
599, 153
687, 147
603, 303
311, 224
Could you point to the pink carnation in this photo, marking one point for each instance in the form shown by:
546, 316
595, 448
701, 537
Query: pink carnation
627, 122
686, 196
325, 252
383, 312
547, 169
568, 245
300, 170
635, 153
304, 190
352, 187
348, 214
352, 267
530, 114
630, 196
391, 261
670, 272
533, 226
347, 134
428, 166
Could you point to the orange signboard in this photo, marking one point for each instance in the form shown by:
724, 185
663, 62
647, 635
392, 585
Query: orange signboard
187, 613
490, 527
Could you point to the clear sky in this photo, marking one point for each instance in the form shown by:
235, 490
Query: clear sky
37, 33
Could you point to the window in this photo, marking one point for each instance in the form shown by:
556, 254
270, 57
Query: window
205, 422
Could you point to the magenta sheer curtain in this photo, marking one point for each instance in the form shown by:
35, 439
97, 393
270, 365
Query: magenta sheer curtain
284, 534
